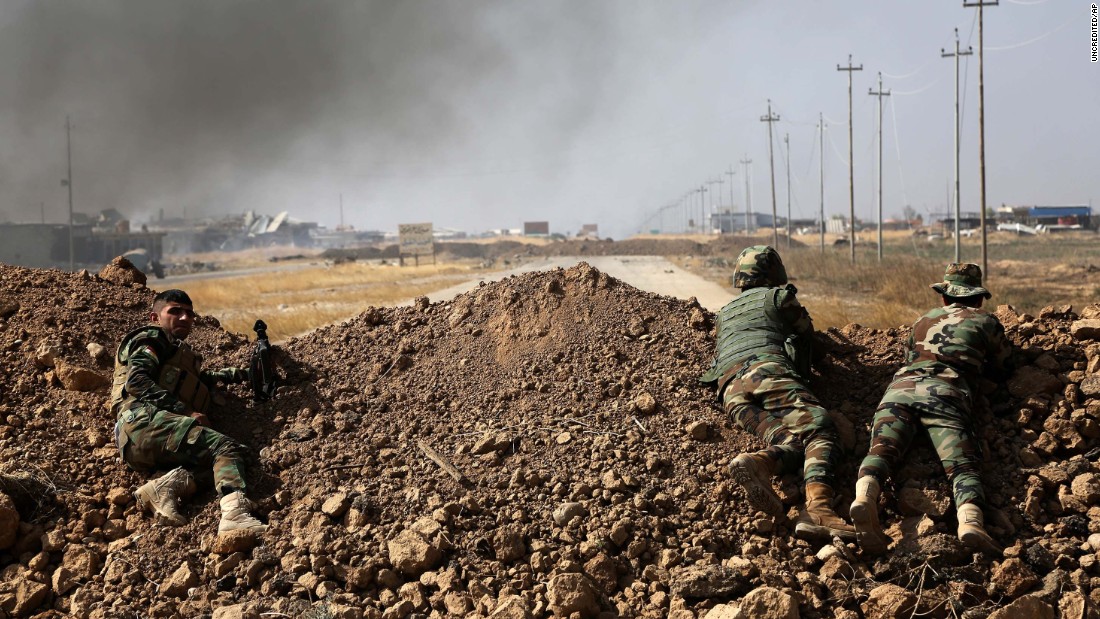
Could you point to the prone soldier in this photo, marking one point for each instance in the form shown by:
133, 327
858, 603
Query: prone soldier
949, 349
760, 368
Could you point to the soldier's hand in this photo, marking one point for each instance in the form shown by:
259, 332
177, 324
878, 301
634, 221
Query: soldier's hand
201, 419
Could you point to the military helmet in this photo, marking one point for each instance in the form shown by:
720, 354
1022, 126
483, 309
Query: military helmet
962, 279
758, 266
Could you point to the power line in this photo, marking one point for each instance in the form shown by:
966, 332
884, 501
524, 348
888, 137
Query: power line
981, 4
880, 94
746, 163
851, 165
958, 53
771, 164
787, 143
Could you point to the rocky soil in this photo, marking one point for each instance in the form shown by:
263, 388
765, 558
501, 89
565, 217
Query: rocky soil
537, 447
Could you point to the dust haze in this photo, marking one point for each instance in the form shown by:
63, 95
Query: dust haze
215, 107
479, 114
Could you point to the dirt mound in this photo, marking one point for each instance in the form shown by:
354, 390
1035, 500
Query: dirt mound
122, 272
539, 446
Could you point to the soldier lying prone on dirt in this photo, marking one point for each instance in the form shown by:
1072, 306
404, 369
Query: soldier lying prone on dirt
760, 369
949, 349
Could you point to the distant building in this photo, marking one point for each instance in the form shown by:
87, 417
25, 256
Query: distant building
1060, 216
590, 231
1049, 217
729, 222
47, 245
536, 228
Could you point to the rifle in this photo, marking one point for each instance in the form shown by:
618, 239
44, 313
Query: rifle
261, 369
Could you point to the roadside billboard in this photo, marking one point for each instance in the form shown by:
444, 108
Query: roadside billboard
415, 240
536, 228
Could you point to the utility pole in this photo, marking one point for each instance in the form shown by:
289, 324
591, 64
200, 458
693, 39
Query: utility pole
787, 143
981, 122
730, 174
821, 131
851, 166
746, 162
880, 94
341, 211
969, 52
702, 205
68, 182
717, 195
42, 211
771, 159
687, 215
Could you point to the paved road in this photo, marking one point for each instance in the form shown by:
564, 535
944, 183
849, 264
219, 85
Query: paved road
650, 273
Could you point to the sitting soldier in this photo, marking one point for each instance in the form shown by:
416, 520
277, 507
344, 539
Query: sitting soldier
161, 396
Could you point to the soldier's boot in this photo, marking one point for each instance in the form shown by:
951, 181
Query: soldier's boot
817, 520
754, 472
864, 513
235, 516
162, 495
972, 530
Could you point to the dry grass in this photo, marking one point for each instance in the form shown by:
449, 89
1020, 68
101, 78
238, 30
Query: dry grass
293, 303
1028, 273
887, 294
30, 488
245, 258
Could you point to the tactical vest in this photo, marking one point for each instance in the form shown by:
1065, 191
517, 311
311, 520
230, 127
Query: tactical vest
179, 374
749, 324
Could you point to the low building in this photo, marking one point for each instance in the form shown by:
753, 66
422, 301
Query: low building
729, 222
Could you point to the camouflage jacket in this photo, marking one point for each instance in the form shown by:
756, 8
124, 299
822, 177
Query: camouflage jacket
957, 345
761, 323
144, 353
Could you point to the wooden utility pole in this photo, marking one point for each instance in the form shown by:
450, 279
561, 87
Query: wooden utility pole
956, 55
821, 130
787, 145
748, 194
69, 184
981, 123
702, 205
730, 174
851, 166
880, 94
771, 159
716, 194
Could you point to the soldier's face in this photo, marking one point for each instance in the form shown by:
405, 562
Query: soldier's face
175, 318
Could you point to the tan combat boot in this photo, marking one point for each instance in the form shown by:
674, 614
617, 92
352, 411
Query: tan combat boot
235, 516
754, 473
162, 495
864, 513
972, 530
818, 521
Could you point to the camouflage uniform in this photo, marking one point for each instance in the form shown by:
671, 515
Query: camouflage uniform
158, 383
949, 349
759, 368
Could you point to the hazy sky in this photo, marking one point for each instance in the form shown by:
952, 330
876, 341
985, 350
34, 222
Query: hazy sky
475, 114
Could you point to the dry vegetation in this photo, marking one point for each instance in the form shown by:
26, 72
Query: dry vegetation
293, 303
1026, 272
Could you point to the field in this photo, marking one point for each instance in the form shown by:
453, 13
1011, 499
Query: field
1028, 273
295, 302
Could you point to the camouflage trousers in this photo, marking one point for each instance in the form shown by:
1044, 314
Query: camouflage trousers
768, 399
148, 439
910, 404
